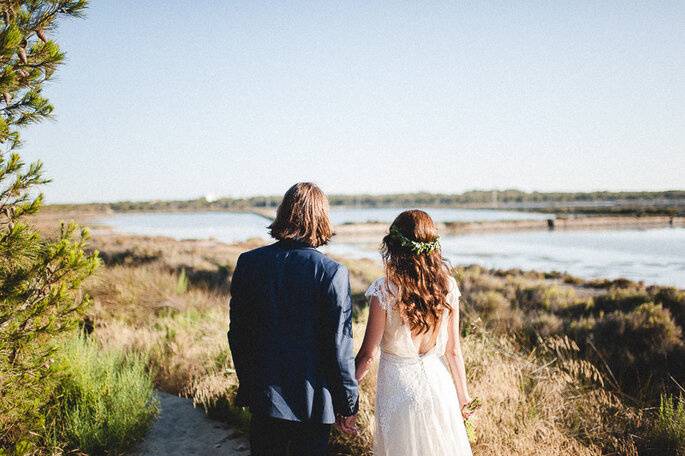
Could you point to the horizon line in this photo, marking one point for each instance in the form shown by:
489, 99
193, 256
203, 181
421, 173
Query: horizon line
212, 198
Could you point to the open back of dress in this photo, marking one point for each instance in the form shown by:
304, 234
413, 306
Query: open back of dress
417, 409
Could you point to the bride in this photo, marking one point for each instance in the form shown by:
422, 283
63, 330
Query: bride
422, 398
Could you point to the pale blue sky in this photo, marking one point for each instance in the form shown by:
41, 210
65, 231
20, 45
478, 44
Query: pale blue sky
178, 99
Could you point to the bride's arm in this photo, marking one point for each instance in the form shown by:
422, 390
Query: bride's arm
372, 338
455, 358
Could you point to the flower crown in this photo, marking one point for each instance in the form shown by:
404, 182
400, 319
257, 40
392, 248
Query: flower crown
416, 247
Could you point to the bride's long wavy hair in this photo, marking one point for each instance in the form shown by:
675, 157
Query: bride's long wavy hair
422, 278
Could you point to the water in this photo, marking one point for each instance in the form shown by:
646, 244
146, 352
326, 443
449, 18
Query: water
235, 226
652, 255
340, 215
228, 227
656, 256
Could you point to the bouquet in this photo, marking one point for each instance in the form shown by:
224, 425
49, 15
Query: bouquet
470, 422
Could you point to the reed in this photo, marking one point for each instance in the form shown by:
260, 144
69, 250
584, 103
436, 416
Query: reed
543, 391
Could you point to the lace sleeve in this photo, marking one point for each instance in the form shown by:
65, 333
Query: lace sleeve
454, 293
377, 289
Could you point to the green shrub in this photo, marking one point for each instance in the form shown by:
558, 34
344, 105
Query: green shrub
572, 280
580, 308
551, 298
669, 426
639, 346
494, 310
543, 325
182, 282
623, 299
554, 298
528, 297
609, 283
105, 398
672, 299
489, 303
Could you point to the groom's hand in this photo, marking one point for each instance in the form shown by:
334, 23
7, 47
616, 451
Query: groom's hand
347, 424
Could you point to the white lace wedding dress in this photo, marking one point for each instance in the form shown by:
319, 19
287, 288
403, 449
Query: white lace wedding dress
417, 409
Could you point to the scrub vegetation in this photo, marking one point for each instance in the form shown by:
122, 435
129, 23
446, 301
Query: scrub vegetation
562, 365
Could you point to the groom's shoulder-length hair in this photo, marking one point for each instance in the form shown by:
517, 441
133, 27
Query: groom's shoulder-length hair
303, 216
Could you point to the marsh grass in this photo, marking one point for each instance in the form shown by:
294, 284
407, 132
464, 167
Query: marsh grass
529, 408
526, 341
530, 405
669, 426
105, 399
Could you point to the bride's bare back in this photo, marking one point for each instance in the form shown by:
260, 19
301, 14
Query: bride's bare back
421, 379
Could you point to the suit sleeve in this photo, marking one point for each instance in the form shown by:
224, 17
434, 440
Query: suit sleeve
238, 334
344, 388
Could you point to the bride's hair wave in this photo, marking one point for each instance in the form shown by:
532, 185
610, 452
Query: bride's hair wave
422, 278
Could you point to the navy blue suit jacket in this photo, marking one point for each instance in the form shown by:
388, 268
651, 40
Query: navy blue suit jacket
291, 334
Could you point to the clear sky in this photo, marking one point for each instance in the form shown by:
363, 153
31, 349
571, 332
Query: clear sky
179, 99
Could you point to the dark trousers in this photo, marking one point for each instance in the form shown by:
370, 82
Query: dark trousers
274, 437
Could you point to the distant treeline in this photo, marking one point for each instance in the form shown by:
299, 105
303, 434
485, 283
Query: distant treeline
671, 201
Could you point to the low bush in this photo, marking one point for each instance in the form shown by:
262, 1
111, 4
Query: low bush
636, 345
672, 299
621, 299
105, 398
636, 332
495, 311
547, 297
136, 292
669, 426
543, 324
546, 395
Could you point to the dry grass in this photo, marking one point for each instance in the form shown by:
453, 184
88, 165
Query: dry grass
182, 348
135, 293
529, 404
534, 403
529, 407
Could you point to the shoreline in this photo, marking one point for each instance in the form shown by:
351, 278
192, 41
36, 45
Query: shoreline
357, 230
369, 234
606, 221
197, 255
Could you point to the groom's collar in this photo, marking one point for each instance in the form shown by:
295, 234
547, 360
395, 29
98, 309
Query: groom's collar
294, 244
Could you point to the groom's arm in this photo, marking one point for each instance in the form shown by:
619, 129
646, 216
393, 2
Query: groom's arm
239, 332
344, 386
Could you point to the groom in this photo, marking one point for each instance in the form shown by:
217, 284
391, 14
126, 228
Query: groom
291, 333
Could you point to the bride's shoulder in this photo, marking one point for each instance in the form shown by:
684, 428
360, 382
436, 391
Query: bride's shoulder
383, 290
377, 288
453, 286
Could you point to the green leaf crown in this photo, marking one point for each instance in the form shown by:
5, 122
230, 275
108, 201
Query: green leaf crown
416, 247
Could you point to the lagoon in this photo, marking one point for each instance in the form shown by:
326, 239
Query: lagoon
652, 255
655, 256
237, 226
340, 215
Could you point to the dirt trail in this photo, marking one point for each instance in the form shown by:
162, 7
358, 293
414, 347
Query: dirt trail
185, 430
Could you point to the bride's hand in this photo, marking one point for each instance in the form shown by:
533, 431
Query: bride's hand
468, 407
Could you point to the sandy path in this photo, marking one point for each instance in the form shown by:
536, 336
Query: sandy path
185, 430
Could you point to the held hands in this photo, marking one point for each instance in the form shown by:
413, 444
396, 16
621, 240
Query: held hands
347, 424
469, 407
